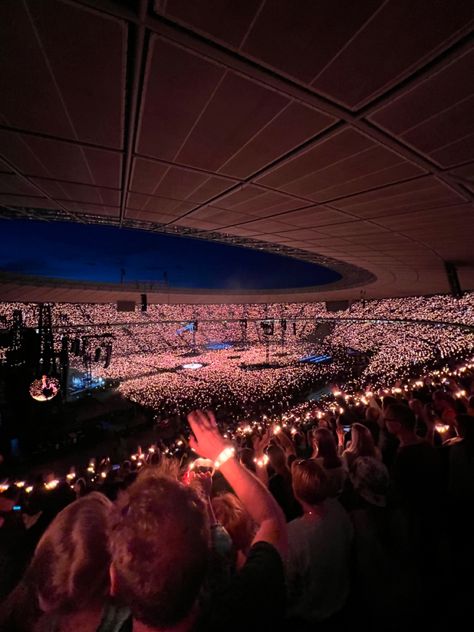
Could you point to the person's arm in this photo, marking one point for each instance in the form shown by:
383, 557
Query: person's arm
258, 501
372, 403
261, 459
286, 444
340, 439
261, 468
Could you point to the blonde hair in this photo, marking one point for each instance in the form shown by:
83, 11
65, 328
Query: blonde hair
326, 448
69, 571
73, 556
362, 442
235, 519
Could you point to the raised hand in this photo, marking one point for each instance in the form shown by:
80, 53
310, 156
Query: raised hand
340, 434
286, 443
207, 441
259, 444
262, 507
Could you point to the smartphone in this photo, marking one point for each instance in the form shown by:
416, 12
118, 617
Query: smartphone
116, 467
16, 507
202, 466
201, 469
346, 428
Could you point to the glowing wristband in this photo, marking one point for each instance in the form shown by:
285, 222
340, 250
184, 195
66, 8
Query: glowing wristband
225, 455
263, 461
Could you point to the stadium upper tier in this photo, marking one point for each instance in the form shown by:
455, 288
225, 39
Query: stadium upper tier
440, 308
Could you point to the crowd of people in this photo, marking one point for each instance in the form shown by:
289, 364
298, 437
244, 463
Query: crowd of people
439, 308
150, 348
355, 509
152, 375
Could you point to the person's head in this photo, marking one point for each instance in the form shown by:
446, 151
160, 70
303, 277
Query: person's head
324, 422
69, 571
399, 419
80, 487
362, 442
371, 480
388, 400
372, 414
235, 519
448, 416
159, 542
70, 566
443, 401
309, 482
299, 440
326, 448
277, 459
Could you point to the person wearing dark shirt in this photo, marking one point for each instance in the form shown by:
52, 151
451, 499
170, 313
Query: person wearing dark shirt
279, 484
160, 549
418, 492
416, 471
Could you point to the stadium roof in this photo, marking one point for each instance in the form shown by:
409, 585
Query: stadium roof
339, 132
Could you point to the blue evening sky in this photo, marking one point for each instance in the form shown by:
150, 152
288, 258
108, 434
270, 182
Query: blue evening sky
99, 253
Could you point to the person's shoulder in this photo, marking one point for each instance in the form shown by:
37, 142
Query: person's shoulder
263, 560
415, 449
334, 507
255, 594
275, 481
431, 453
336, 512
262, 551
295, 526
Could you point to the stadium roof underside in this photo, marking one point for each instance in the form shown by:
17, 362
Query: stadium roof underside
341, 133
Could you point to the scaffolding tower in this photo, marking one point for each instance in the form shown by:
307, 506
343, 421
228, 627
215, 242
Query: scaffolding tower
47, 359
